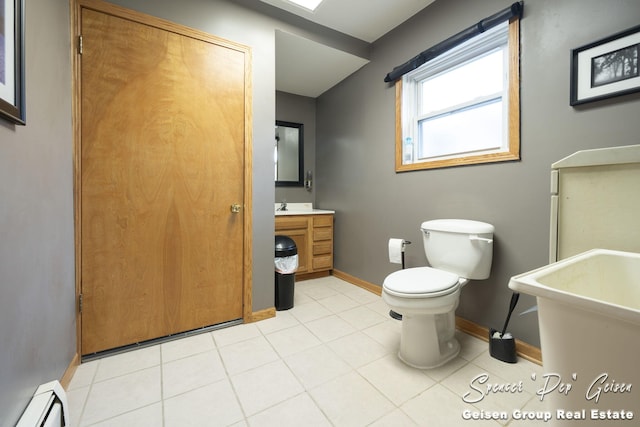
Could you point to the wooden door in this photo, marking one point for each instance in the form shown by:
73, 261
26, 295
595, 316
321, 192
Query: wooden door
162, 160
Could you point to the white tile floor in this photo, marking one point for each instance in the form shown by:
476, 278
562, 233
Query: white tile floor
329, 361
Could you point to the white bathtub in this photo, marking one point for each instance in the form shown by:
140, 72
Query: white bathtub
589, 317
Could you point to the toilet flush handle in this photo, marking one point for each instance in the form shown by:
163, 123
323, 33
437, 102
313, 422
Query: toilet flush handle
483, 239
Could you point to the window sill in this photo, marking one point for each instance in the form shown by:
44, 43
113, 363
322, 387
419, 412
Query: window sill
460, 161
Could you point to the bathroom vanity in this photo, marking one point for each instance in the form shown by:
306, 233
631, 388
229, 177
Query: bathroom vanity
312, 230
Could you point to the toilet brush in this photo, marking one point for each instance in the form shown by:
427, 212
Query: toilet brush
503, 346
512, 306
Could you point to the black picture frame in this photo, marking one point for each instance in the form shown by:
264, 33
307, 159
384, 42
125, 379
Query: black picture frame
606, 68
12, 97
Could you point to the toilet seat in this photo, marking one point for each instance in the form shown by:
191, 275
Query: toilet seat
421, 282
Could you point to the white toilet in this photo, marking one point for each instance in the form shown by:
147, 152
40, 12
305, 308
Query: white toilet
457, 250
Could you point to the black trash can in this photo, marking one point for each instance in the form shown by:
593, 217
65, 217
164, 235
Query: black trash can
286, 263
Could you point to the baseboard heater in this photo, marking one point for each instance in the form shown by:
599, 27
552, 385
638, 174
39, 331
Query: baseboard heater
48, 408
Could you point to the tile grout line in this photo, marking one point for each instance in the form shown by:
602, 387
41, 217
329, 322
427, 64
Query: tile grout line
321, 343
84, 405
228, 379
305, 390
162, 411
353, 370
469, 360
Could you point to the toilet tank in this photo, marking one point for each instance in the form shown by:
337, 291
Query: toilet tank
460, 246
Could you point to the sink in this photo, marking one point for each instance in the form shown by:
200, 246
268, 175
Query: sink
295, 207
589, 317
600, 280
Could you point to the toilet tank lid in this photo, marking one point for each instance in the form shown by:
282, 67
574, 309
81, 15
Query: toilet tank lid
457, 226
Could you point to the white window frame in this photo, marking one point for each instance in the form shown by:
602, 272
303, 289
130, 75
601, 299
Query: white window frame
505, 37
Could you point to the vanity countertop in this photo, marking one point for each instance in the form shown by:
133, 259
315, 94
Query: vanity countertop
304, 212
301, 209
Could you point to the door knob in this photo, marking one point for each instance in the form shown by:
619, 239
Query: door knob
235, 208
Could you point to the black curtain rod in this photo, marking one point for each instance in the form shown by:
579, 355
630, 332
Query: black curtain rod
515, 10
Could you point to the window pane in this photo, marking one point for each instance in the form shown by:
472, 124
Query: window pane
480, 77
463, 131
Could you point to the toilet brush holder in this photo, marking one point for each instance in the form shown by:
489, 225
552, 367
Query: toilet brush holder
502, 346
503, 349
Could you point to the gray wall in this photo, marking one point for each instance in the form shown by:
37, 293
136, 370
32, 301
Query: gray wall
299, 109
37, 285
355, 150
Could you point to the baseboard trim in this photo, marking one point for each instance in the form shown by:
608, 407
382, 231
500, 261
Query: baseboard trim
524, 350
358, 282
267, 313
68, 373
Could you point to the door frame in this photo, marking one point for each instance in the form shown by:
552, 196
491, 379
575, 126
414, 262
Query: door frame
76, 7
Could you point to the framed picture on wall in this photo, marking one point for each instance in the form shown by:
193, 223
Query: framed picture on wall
12, 61
606, 68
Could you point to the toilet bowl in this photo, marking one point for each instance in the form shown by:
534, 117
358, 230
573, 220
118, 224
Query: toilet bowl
427, 297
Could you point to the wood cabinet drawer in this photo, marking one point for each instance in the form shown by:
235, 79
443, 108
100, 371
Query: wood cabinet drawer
322, 262
291, 223
322, 220
324, 233
322, 248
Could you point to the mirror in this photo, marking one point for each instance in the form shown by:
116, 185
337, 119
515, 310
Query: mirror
288, 154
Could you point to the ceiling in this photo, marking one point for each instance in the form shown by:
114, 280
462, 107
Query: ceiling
366, 20
308, 68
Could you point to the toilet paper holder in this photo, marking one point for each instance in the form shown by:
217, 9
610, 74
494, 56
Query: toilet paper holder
397, 248
392, 313
404, 245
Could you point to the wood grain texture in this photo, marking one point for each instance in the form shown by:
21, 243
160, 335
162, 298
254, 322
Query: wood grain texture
163, 156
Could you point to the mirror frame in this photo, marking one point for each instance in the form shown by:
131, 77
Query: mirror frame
300, 181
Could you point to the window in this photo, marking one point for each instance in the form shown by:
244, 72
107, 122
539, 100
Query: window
462, 107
